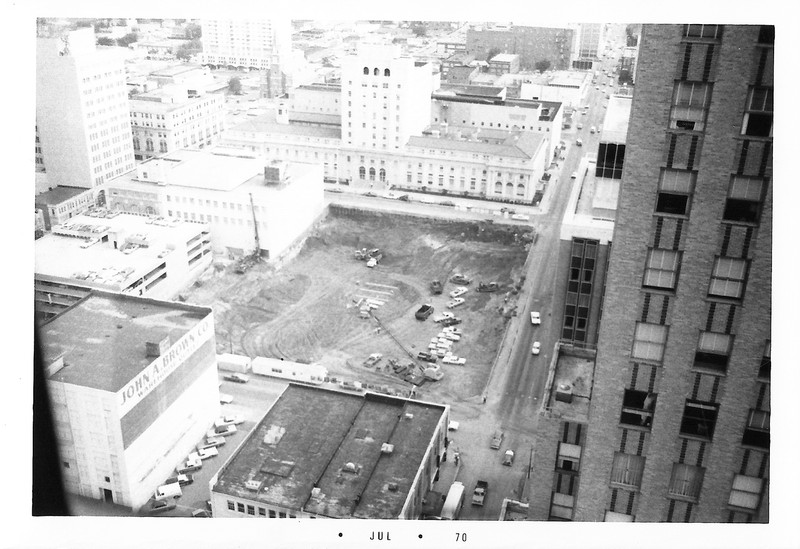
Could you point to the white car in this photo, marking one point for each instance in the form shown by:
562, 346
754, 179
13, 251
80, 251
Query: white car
454, 331
461, 290
206, 453
444, 316
592, 129
221, 431
372, 262
225, 399
228, 420
455, 303
236, 378
535, 318
535, 348
580, 126
454, 360
574, 175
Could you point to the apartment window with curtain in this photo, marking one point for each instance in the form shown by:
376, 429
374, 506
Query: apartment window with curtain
649, 341
686, 481
627, 469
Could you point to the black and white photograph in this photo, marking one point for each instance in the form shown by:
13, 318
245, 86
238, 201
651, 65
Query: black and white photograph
403, 268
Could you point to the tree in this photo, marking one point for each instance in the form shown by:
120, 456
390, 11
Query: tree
128, 39
188, 50
106, 41
235, 85
542, 66
492, 53
193, 31
419, 30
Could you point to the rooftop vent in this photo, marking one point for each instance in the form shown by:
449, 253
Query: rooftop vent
350, 467
387, 448
253, 484
564, 392
157, 348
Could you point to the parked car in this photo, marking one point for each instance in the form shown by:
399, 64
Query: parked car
592, 129
497, 440
193, 463
508, 458
455, 303
182, 480
454, 360
206, 453
535, 348
221, 431
228, 420
574, 175
427, 357
579, 142
535, 318
236, 377
201, 513
461, 290
580, 126
225, 399
404, 198
161, 506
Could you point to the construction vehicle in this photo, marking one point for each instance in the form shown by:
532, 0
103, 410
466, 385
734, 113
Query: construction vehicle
248, 261
364, 254
436, 287
488, 287
460, 279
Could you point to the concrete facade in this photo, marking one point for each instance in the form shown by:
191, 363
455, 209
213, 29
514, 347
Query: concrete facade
686, 313
246, 43
532, 44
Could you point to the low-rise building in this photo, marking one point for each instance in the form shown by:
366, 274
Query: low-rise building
62, 203
566, 87
229, 190
124, 418
118, 252
504, 63
320, 453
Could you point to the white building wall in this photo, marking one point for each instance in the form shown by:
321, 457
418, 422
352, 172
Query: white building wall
314, 100
250, 43
82, 111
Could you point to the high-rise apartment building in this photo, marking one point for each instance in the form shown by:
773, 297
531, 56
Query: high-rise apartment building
246, 43
82, 115
678, 424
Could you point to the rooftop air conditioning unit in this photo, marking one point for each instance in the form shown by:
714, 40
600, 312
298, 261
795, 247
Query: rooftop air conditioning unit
387, 448
253, 484
564, 393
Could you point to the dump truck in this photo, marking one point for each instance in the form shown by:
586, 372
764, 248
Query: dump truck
479, 494
424, 312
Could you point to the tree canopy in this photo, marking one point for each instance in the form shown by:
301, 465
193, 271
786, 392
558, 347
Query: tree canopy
188, 50
128, 39
235, 85
106, 41
193, 31
543, 65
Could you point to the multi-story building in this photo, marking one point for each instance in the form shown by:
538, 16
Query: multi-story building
175, 117
246, 43
62, 203
124, 419
503, 63
678, 429
591, 41
320, 453
82, 115
111, 251
39, 156
532, 44
566, 87
244, 199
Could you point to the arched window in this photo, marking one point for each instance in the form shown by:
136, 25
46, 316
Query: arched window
386, 72
163, 146
372, 174
520, 190
149, 144
366, 71
362, 173
498, 188
382, 174
136, 143
376, 72
510, 189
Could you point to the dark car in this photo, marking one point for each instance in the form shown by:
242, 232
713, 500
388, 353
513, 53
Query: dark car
427, 357
182, 479
161, 506
404, 198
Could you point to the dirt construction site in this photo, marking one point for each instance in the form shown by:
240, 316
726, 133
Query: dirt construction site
313, 307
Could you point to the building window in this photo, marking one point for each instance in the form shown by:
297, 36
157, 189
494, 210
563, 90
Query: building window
272, 514
699, 419
765, 367
689, 106
387, 73
231, 506
366, 71
662, 268
362, 173
627, 469
649, 341
382, 175
727, 279
703, 31
757, 431
281, 514
674, 190
686, 480
498, 188
372, 174
240, 507
746, 492
262, 512
610, 160
744, 199
713, 351
251, 510
758, 114
638, 408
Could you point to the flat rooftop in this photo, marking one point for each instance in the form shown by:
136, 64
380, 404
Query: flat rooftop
592, 205
65, 256
59, 194
268, 123
176, 69
499, 143
504, 58
615, 123
103, 336
574, 372
320, 451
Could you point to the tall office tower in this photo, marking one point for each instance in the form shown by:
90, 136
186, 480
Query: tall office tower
592, 36
678, 429
386, 98
82, 115
246, 43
